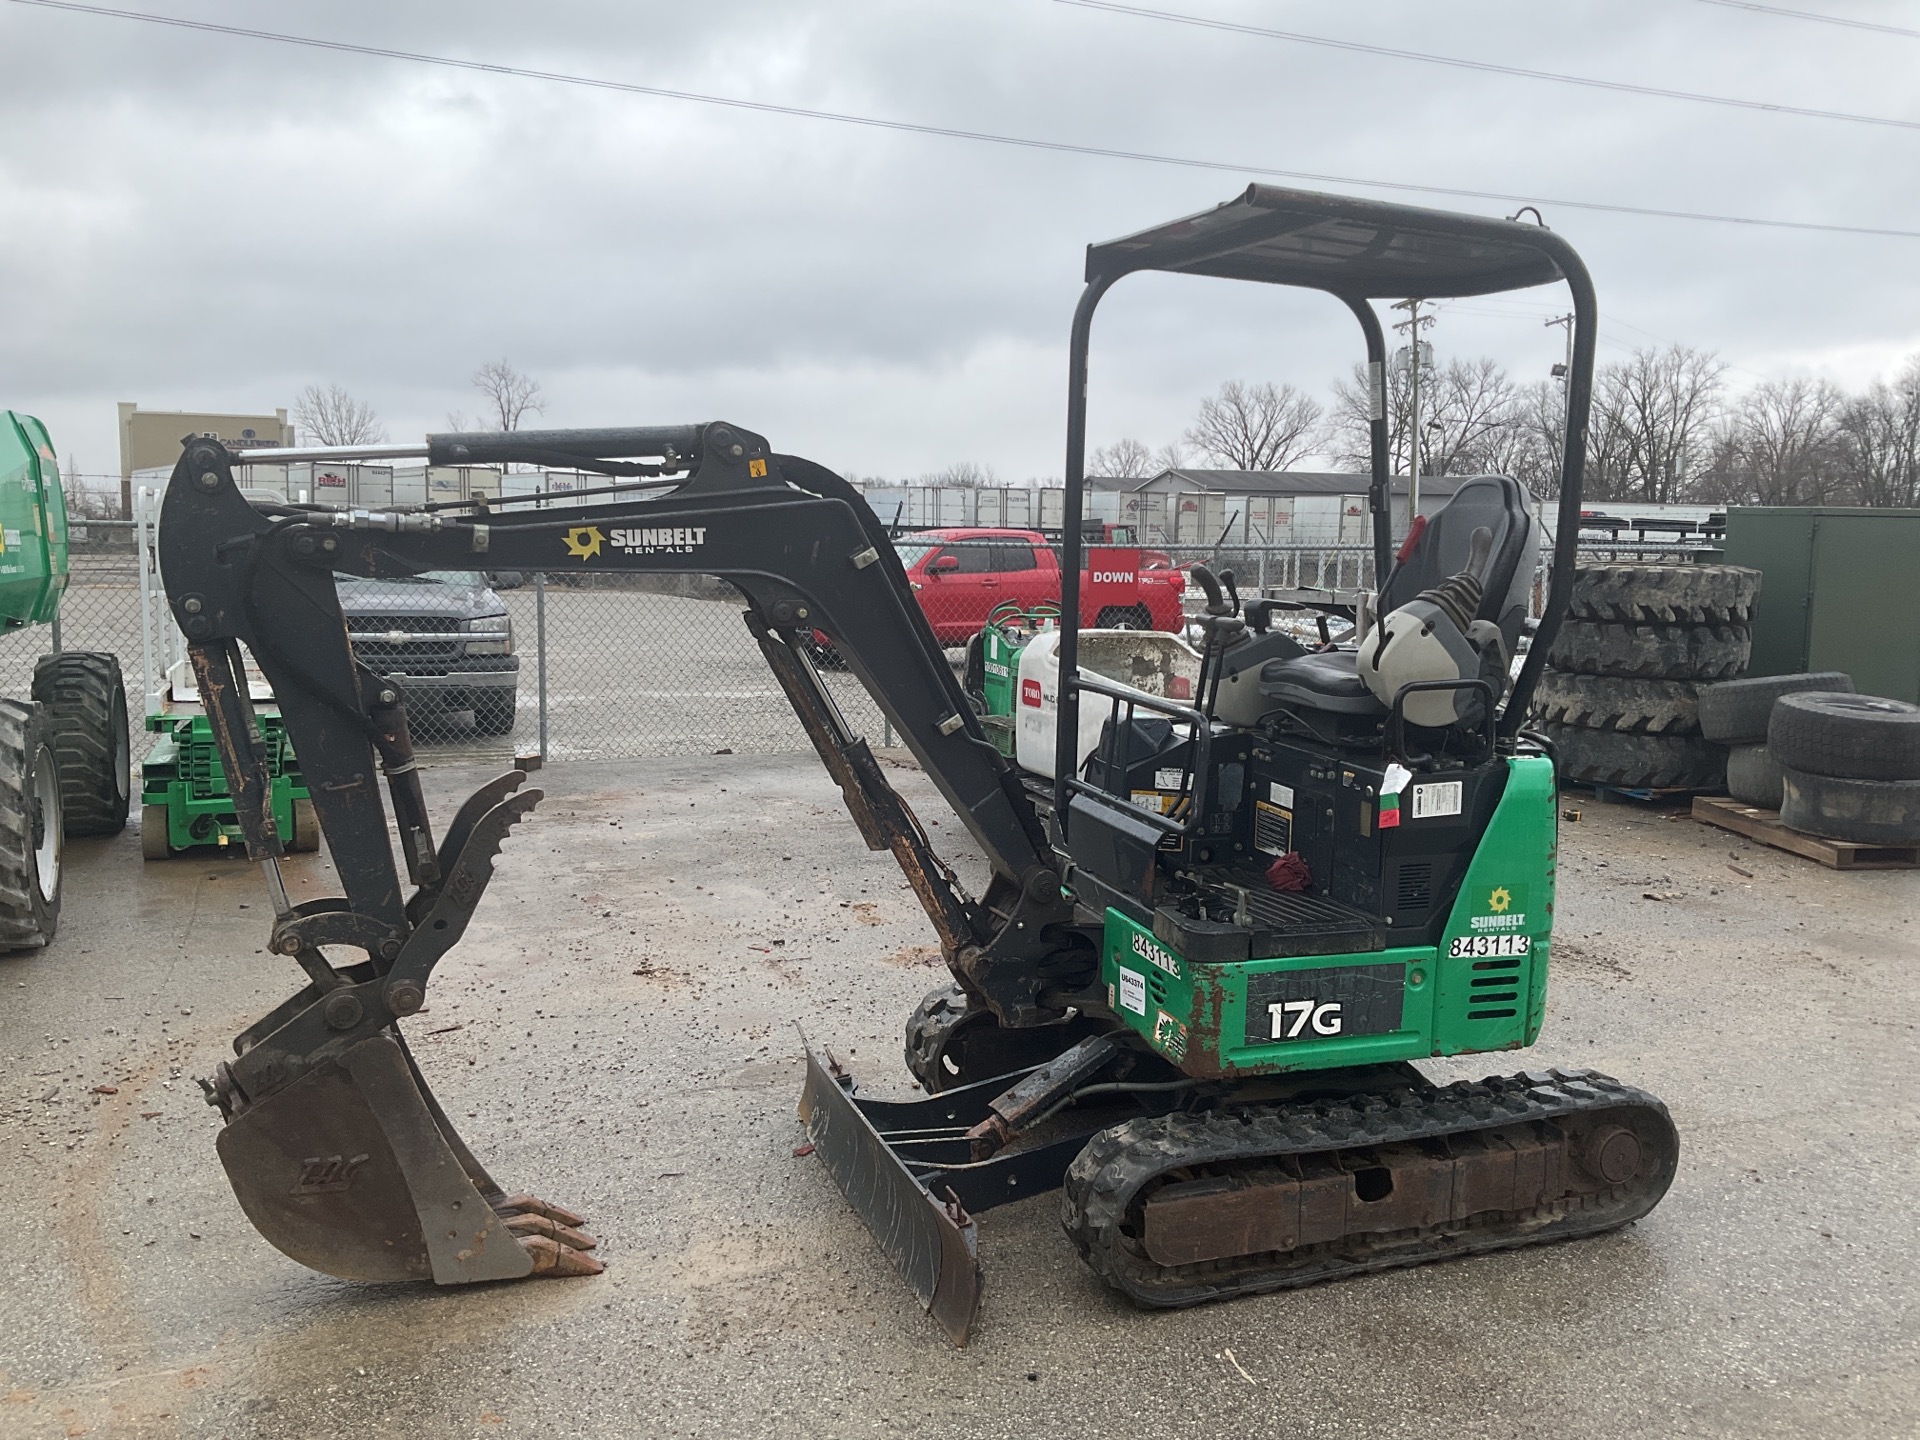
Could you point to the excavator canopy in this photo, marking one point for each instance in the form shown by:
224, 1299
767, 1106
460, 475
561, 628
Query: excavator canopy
1364, 248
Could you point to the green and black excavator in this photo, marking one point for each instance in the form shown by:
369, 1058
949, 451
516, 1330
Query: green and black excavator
1199, 1020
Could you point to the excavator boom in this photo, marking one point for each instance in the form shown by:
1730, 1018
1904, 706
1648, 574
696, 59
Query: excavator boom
334, 1143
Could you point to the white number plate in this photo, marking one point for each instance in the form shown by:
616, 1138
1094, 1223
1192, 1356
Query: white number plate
1482, 947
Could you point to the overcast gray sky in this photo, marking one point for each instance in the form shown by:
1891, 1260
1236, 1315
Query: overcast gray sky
193, 220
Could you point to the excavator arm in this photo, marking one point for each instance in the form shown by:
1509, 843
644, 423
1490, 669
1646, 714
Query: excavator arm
334, 1144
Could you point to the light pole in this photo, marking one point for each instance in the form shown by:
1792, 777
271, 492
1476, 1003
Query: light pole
1412, 325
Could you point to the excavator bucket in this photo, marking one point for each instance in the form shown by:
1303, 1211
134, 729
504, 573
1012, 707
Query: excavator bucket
354, 1171
932, 1241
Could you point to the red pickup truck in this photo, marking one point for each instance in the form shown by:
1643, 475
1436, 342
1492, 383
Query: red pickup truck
959, 575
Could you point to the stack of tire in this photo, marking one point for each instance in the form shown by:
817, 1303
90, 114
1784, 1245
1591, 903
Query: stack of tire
1737, 713
1835, 764
1620, 698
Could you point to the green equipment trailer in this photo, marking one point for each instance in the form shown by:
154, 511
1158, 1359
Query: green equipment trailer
65, 756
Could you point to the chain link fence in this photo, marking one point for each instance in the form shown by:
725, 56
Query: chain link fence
578, 666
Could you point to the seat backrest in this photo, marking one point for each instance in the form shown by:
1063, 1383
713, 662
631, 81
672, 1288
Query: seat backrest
1493, 503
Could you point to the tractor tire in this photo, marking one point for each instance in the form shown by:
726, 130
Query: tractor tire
85, 703
1861, 812
1665, 594
1735, 712
1610, 702
1848, 736
1753, 776
495, 714
32, 829
1635, 762
306, 828
1651, 652
154, 841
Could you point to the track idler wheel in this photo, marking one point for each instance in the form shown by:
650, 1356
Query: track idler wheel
952, 1041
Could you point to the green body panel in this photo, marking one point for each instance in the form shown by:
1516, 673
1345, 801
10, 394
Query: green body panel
1485, 998
183, 773
33, 524
1833, 593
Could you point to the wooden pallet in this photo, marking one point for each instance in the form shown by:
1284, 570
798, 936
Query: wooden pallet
1765, 826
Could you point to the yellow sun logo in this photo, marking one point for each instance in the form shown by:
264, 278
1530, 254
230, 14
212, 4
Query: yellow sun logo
583, 541
1499, 901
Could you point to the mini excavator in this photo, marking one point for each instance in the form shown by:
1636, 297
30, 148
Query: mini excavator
1196, 1018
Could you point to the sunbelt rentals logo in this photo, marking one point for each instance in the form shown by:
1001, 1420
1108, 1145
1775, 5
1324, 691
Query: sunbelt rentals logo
586, 542
1504, 907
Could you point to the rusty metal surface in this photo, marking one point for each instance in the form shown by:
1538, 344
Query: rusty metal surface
1319, 1199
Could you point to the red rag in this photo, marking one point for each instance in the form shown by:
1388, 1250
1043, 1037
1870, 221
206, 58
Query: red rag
1289, 872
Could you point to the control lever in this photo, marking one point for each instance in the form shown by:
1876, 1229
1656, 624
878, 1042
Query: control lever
1216, 602
1233, 591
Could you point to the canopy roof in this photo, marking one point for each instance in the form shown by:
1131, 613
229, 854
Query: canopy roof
1360, 248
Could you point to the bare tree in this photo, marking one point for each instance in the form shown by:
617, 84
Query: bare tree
1170, 456
964, 476
1780, 446
510, 395
1475, 418
333, 417
1878, 437
1651, 432
1126, 459
1256, 427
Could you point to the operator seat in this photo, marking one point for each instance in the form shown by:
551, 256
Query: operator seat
1330, 682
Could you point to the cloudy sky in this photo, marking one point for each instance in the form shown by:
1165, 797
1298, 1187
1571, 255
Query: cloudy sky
199, 220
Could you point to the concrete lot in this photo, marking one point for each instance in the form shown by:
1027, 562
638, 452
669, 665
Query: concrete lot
617, 1033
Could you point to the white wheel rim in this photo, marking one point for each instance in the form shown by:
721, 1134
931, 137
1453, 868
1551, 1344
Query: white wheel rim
46, 805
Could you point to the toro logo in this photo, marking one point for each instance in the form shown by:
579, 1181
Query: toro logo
1030, 693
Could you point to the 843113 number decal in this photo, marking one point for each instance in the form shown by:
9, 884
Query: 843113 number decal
1482, 947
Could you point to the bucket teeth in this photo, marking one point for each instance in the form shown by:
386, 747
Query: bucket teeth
526, 1225
534, 1205
551, 1257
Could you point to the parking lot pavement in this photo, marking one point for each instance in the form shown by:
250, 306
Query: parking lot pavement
617, 1032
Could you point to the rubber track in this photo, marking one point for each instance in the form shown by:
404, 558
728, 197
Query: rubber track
1117, 1164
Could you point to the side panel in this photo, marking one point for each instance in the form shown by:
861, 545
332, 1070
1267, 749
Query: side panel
1220, 1019
1492, 962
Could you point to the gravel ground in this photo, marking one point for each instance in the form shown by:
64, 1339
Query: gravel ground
617, 1032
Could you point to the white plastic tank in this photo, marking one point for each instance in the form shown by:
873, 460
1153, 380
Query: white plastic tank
1162, 666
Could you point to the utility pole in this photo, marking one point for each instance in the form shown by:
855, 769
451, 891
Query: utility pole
1564, 372
1412, 325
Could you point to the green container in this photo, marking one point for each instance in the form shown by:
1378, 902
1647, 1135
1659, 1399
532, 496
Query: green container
183, 773
33, 524
1833, 593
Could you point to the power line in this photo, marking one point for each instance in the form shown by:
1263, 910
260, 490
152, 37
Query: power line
907, 127
1489, 67
1821, 19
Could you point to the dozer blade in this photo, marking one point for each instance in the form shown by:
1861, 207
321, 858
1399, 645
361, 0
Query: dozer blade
353, 1171
932, 1243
